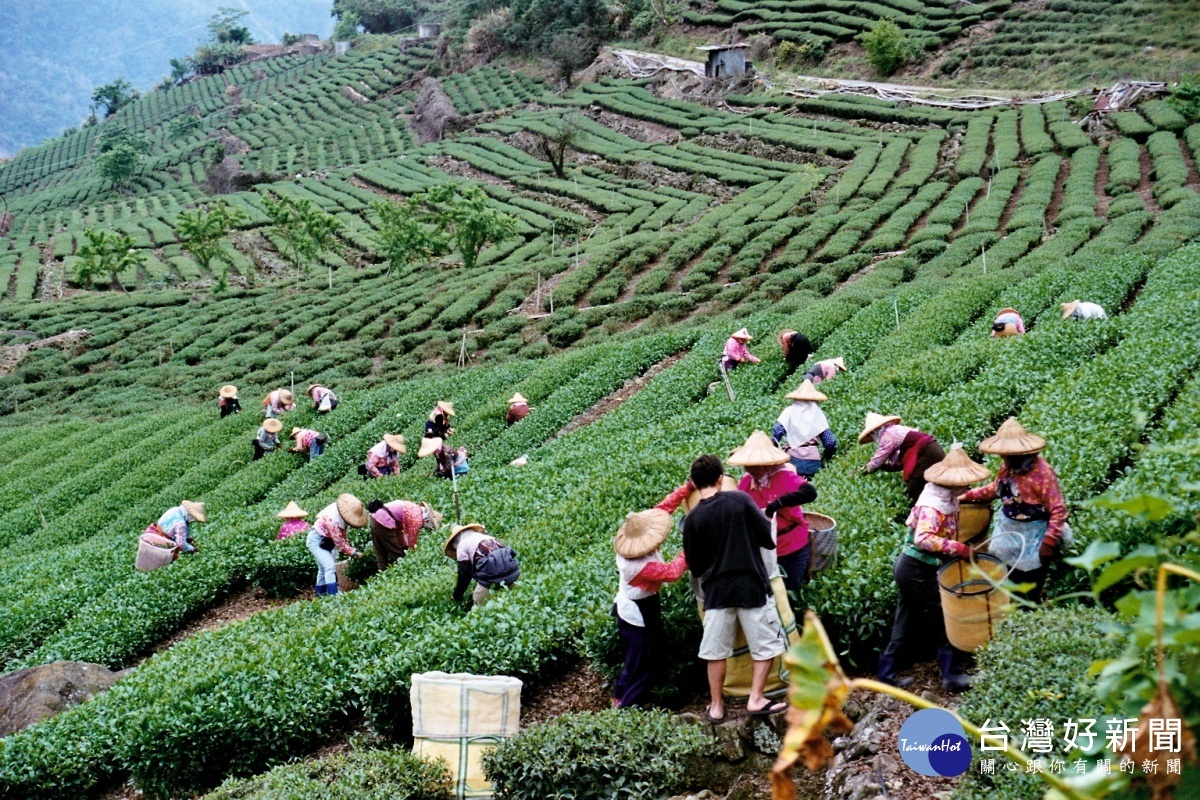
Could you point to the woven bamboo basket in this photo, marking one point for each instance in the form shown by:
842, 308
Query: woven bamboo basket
971, 604
973, 520
822, 533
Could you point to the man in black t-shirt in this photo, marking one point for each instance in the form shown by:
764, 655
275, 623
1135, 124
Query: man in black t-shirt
722, 539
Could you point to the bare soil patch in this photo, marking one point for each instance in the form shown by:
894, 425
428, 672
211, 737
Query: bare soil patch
1056, 195
1145, 187
581, 689
1012, 201
614, 400
1102, 198
1193, 179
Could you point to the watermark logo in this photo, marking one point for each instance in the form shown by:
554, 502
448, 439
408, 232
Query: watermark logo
932, 742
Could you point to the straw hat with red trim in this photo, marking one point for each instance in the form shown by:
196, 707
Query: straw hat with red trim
874, 422
1011, 439
807, 392
742, 335
196, 510
517, 398
396, 442
292, 511
642, 533
455, 530
1068, 308
272, 425
758, 451
353, 512
429, 446
228, 391
957, 469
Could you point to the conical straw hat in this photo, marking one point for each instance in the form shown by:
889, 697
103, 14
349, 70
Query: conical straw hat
292, 511
286, 396
195, 509
873, 422
758, 451
429, 446
807, 392
455, 530
396, 442
353, 512
433, 515
447, 407
742, 334
308, 391
839, 363
517, 398
956, 469
642, 533
1068, 308
1012, 440
1007, 311
228, 391
785, 338
272, 425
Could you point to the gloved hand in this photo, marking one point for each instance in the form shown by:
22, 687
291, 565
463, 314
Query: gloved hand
772, 508
1048, 550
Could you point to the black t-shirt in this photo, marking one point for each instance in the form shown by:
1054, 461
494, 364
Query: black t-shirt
722, 537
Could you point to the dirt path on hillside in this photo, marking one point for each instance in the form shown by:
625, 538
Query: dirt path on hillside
620, 396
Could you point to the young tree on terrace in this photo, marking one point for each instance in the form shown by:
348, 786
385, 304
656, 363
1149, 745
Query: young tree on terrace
564, 134
201, 232
119, 156
305, 230
465, 221
886, 46
106, 253
404, 234
113, 96
571, 52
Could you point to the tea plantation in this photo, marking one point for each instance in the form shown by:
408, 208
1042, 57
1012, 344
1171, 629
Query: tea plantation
889, 235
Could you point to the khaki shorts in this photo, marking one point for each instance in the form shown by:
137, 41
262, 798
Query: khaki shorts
764, 633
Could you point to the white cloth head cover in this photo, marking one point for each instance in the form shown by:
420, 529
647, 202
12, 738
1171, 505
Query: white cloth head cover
938, 498
804, 421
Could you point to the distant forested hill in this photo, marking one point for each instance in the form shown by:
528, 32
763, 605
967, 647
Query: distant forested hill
53, 52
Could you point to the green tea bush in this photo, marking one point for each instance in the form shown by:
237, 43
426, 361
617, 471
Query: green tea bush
606, 755
358, 775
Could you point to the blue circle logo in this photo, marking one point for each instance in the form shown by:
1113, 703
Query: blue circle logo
932, 742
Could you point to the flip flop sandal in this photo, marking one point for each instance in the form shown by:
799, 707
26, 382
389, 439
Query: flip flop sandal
768, 709
708, 715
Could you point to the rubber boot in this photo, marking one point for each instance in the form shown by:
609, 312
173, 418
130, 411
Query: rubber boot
953, 679
887, 673
319, 589
331, 589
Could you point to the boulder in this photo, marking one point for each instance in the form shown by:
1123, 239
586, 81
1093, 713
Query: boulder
35, 693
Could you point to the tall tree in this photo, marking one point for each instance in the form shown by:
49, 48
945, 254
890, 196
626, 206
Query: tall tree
226, 26
112, 97
106, 253
564, 134
201, 231
306, 231
466, 220
119, 156
403, 234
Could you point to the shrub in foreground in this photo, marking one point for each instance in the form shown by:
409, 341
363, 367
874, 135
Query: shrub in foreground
360, 775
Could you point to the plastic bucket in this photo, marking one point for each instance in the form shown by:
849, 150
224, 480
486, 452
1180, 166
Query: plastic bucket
973, 520
971, 605
822, 533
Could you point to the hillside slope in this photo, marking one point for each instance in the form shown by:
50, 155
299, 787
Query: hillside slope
889, 235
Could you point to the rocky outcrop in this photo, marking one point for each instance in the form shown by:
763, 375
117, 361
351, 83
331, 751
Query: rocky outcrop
11, 356
742, 749
33, 694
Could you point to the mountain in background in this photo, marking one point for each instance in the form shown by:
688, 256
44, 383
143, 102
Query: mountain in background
54, 52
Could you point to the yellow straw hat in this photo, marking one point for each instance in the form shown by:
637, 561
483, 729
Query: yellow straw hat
807, 392
1007, 311
1068, 308
455, 530
228, 391
1011, 439
517, 398
396, 442
839, 363
873, 422
433, 515
742, 334
308, 391
353, 512
292, 511
272, 425
447, 407
429, 446
292, 435
957, 469
758, 451
195, 509
286, 396
642, 533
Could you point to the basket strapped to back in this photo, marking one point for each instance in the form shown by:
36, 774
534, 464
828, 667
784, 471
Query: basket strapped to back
739, 666
154, 551
971, 603
973, 519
